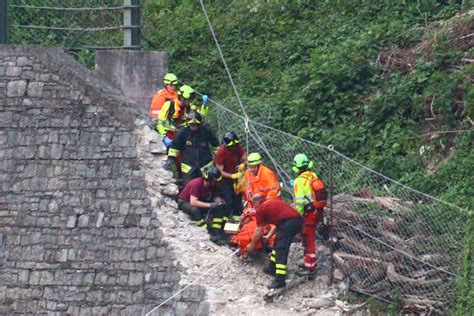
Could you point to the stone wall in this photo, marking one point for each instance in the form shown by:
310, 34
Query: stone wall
77, 231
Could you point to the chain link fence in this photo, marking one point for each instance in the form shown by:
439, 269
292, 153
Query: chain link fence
389, 241
73, 25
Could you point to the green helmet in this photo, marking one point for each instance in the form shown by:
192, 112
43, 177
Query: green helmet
300, 161
186, 92
170, 79
254, 159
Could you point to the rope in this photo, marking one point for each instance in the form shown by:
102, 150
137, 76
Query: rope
194, 281
394, 181
222, 57
338, 153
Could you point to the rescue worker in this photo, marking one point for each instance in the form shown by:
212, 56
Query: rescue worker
259, 179
202, 107
200, 199
173, 114
288, 223
167, 93
194, 142
303, 196
227, 159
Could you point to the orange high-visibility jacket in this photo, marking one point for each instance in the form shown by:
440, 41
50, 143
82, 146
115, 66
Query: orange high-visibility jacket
264, 183
159, 99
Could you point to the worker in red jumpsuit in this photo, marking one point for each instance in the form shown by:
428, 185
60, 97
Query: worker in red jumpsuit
227, 159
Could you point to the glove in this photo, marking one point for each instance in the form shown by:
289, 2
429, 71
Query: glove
241, 167
168, 163
205, 99
168, 141
292, 183
237, 175
215, 205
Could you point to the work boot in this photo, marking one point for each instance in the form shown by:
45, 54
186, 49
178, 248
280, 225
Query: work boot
215, 235
269, 270
277, 283
305, 273
224, 237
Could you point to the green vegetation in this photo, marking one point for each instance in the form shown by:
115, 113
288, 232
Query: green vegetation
388, 83
378, 80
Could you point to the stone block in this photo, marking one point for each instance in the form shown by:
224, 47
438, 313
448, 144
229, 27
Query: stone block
35, 89
83, 220
13, 71
6, 119
28, 74
16, 88
71, 221
100, 217
23, 61
63, 255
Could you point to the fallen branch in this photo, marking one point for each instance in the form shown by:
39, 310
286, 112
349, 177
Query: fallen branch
358, 247
343, 255
412, 299
394, 277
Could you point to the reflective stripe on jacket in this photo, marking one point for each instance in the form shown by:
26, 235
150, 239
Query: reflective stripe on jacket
264, 183
302, 190
195, 147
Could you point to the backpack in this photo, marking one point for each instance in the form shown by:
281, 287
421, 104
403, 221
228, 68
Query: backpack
319, 193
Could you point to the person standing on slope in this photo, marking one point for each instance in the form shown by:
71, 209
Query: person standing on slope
167, 93
259, 179
306, 203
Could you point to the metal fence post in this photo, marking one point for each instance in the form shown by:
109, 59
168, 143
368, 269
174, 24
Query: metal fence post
3, 22
331, 212
131, 24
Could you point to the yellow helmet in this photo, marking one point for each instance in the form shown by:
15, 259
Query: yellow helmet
254, 159
186, 92
170, 79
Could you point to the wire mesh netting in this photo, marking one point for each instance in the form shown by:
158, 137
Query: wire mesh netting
389, 241
78, 24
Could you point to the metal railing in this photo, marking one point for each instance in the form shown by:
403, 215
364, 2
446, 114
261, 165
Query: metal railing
115, 24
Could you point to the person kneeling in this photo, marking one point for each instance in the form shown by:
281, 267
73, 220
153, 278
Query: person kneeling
288, 223
201, 201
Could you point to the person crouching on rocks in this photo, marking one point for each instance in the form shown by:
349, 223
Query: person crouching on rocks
201, 201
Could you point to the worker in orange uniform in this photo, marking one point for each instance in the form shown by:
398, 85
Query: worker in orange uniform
167, 93
173, 114
259, 179
309, 204
227, 159
287, 223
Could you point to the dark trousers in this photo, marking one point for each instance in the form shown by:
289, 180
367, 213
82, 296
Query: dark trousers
233, 202
197, 213
286, 231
